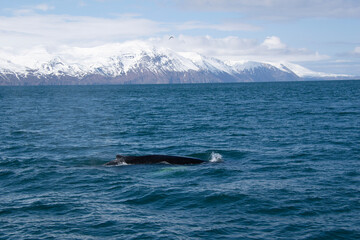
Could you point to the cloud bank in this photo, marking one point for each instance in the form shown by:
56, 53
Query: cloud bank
279, 9
52, 30
237, 49
29, 33
34, 31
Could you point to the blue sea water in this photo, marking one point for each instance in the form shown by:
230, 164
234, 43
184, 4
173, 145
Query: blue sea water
290, 161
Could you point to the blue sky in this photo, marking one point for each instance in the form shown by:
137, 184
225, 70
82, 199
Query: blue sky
323, 35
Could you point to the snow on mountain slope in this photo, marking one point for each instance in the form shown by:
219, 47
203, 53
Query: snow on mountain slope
304, 72
112, 60
57, 67
207, 63
133, 60
260, 72
241, 66
117, 59
6, 66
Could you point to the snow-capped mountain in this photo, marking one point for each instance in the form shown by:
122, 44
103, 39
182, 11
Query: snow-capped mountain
307, 73
138, 63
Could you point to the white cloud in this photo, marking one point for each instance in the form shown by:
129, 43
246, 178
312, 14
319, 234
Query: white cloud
52, 30
235, 48
273, 43
28, 10
43, 7
25, 31
226, 27
279, 9
227, 49
351, 54
357, 50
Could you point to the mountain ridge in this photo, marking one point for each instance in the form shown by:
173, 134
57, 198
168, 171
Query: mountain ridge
141, 63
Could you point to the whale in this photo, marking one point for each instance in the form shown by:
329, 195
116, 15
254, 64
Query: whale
154, 159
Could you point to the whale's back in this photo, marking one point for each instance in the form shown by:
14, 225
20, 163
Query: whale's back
154, 159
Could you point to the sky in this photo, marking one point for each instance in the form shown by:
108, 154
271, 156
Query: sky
322, 35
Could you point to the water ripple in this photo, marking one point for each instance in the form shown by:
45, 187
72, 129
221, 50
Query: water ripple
289, 171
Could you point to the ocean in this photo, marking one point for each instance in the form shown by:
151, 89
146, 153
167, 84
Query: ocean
285, 161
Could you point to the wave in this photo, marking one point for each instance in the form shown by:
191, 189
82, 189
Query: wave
215, 157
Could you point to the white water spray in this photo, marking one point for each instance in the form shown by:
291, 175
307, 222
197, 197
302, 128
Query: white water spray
216, 157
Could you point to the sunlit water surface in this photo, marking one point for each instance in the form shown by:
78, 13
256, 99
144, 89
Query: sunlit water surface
290, 169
